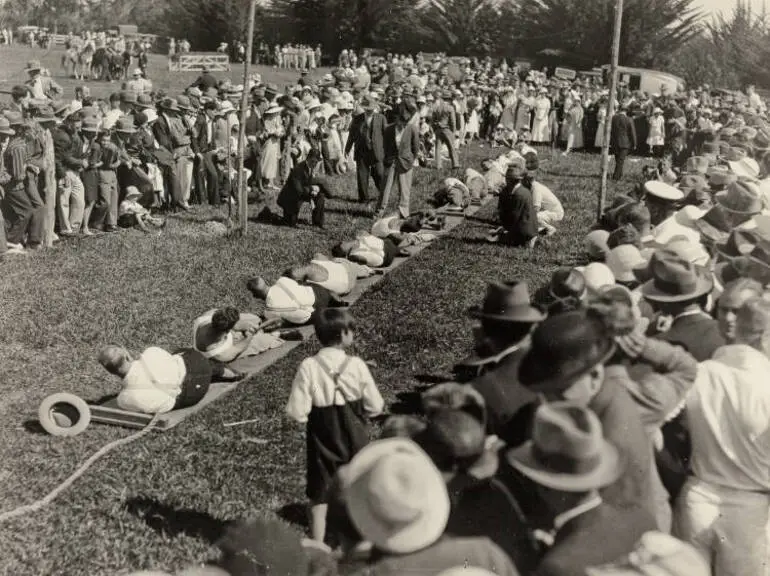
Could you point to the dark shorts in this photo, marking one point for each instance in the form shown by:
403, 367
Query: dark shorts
200, 372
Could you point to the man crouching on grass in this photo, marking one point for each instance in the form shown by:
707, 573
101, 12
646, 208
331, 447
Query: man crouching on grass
159, 382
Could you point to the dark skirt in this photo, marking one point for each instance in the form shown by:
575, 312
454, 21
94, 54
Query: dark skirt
334, 435
90, 179
200, 372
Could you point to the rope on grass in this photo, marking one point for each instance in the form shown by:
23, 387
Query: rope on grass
56, 492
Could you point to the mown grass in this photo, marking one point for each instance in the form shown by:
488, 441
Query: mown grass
161, 502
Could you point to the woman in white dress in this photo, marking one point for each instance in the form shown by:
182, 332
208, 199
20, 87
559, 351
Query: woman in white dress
541, 127
574, 119
656, 137
271, 149
601, 119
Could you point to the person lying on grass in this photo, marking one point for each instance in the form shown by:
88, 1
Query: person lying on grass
293, 303
407, 231
338, 275
131, 213
225, 334
157, 381
368, 249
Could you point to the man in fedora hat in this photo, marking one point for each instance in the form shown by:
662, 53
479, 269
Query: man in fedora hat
569, 461
516, 209
172, 133
678, 292
505, 321
24, 215
567, 361
367, 135
622, 140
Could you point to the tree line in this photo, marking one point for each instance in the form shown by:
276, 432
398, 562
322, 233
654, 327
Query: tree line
726, 50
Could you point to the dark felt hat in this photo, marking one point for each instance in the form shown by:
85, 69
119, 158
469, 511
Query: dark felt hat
508, 302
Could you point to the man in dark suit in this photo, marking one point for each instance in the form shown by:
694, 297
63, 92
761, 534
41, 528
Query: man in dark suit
402, 143
569, 461
206, 177
367, 134
683, 300
302, 186
622, 140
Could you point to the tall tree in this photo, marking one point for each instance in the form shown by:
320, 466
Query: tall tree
651, 28
456, 26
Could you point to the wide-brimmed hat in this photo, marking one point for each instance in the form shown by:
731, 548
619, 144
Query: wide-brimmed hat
657, 554
661, 191
183, 102
674, 279
125, 125
565, 347
715, 225
720, 177
90, 125
5, 127
395, 496
742, 197
137, 72
14, 118
144, 101
710, 149
33, 65
739, 243
568, 451
745, 168
128, 97
273, 109
507, 302
693, 252
622, 260
597, 275
44, 114
169, 104
567, 283
132, 192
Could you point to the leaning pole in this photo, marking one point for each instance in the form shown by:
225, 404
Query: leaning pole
610, 108
243, 192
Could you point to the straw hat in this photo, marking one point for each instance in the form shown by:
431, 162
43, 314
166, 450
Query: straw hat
622, 260
395, 496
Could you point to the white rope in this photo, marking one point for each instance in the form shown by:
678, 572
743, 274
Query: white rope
56, 492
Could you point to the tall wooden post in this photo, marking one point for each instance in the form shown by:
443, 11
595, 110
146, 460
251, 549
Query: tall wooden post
243, 192
610, 107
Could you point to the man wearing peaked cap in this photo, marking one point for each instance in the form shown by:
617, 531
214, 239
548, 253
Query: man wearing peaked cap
569, 459
504, 322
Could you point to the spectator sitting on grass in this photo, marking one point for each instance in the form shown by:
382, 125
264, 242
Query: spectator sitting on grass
131, 213
516, 209
158, 382
225, 334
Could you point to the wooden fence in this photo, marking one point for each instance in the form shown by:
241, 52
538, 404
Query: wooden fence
195, 61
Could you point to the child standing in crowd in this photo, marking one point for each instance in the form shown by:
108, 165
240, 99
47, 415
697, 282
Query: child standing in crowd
108, 180
90, 175
334, 395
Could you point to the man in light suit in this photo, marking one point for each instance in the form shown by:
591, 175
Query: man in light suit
402, 143
367, 133
622, 140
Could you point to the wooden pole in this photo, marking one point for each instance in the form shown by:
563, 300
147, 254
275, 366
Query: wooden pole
610, 107
243, 193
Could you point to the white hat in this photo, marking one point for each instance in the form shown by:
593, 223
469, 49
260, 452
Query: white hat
622, 260
151, 114
137, 72
273, 109
314, 103
692, 252
132, 192
687, 215
226, 107
395, 496
746, 168
663, 191
597, 275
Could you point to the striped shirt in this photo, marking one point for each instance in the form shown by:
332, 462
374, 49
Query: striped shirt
15, 160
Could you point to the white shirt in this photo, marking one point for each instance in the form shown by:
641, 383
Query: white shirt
371, 249
153, 382
545, 200
292, 302
110, 118
669, 228
728, 413
312, 386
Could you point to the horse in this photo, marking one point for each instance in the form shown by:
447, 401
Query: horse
85, 58
69, 59
107, 65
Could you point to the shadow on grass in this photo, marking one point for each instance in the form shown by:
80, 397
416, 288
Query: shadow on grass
354, 210
169, 521
296, 514
33, 427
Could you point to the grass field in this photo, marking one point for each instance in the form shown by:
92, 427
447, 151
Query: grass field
162, 501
